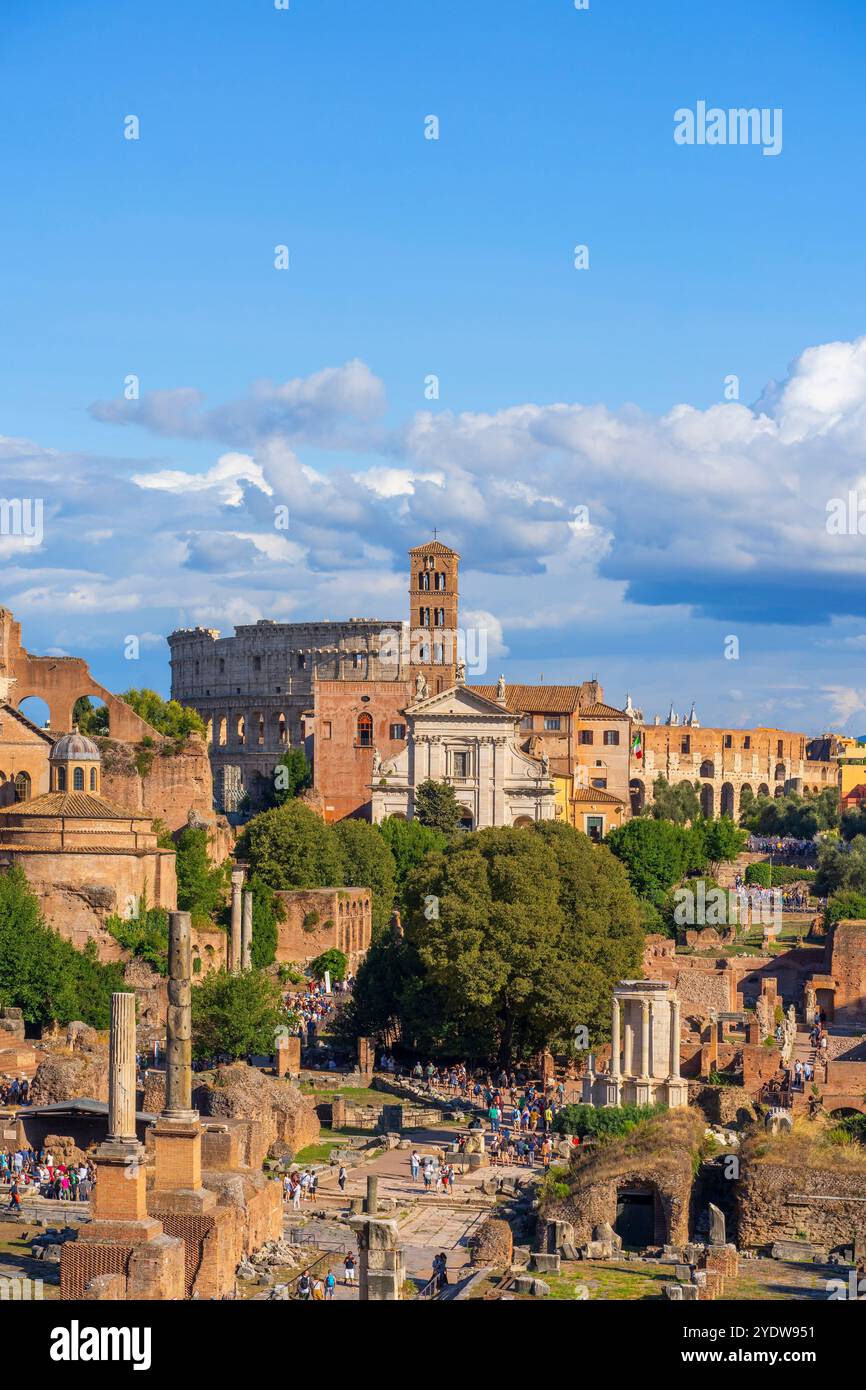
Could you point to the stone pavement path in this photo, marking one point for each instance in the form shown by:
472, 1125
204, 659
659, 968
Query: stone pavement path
428, 1223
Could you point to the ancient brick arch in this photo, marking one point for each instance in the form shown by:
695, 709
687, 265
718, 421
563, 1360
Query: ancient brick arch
60, 681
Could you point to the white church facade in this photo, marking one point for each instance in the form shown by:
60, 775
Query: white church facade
462, 738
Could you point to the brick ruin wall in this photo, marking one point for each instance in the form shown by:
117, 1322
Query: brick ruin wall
773, 1204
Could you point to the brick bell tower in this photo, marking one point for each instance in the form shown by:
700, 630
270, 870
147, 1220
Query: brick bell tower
433, 613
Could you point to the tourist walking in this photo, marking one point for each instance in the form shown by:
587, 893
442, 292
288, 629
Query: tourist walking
305, 1286
349, 1270
415, 1163
341, 1178
330, 1284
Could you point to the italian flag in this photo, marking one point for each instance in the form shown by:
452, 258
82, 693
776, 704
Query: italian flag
637, 744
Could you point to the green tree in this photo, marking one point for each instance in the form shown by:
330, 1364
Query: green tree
91, 719
409, 841
201, 885
333, 962
679, 803
168, 717
656, 854
291, 847
368, 863
853, 823
41, 973
602, 936
492, 949
292, 775
236, 1014
847, 906
145, 935
841, 867
268, 912
722, 841
437, 806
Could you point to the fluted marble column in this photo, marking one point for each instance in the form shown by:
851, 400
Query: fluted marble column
645, 1059
234, 961
247, 931
675, 1039
614, 1056
121, 1068
178, 1075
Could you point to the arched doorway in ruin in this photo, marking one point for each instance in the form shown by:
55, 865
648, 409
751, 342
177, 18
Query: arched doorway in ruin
708, 800
637, 795
640, 1216
707, 768
728, 800
763, 790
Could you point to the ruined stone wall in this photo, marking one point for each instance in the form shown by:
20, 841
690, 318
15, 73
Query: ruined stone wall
317, 919
166, 785
77, 892
773, 1204
847, 951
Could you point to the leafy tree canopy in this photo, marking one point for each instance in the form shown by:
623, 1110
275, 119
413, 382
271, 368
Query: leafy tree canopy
368, 863
333, 962
291, 847
679, 803
292, 775
41, 973
512, 939
792, 814
437, 806
168, 717
201, 885
656, 854
409, 841
236, 1014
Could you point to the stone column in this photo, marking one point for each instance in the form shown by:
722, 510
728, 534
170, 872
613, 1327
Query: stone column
235, 939
121, 1069
675, 1039
628, 1037
645, 1059
178, 1077
177, 1134
247, 931
381, 1265
614, 1056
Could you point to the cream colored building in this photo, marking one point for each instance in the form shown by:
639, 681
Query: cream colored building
472, 743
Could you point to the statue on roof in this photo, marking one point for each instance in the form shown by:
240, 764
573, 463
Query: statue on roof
421, 690
460, 676
500, 689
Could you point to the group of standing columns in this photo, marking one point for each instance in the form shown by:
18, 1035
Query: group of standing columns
646, 1061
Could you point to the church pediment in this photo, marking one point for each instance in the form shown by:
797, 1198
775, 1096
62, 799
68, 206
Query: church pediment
459, 701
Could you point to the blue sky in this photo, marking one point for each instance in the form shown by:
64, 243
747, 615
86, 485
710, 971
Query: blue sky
559, 388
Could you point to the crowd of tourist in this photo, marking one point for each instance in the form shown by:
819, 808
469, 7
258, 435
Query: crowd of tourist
28, 1169
314, 1004
784, 845
14, 1090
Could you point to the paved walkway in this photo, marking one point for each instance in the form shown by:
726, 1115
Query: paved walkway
428, 1222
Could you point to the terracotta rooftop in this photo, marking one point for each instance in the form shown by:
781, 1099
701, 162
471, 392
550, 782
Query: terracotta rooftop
532, 699
78, 805
596, 794
599, 711
433, 548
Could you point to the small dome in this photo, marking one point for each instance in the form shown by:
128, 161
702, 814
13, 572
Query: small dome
74, 747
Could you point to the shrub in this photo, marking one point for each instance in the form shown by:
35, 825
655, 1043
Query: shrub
761, 875
603, 1124
332, 961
